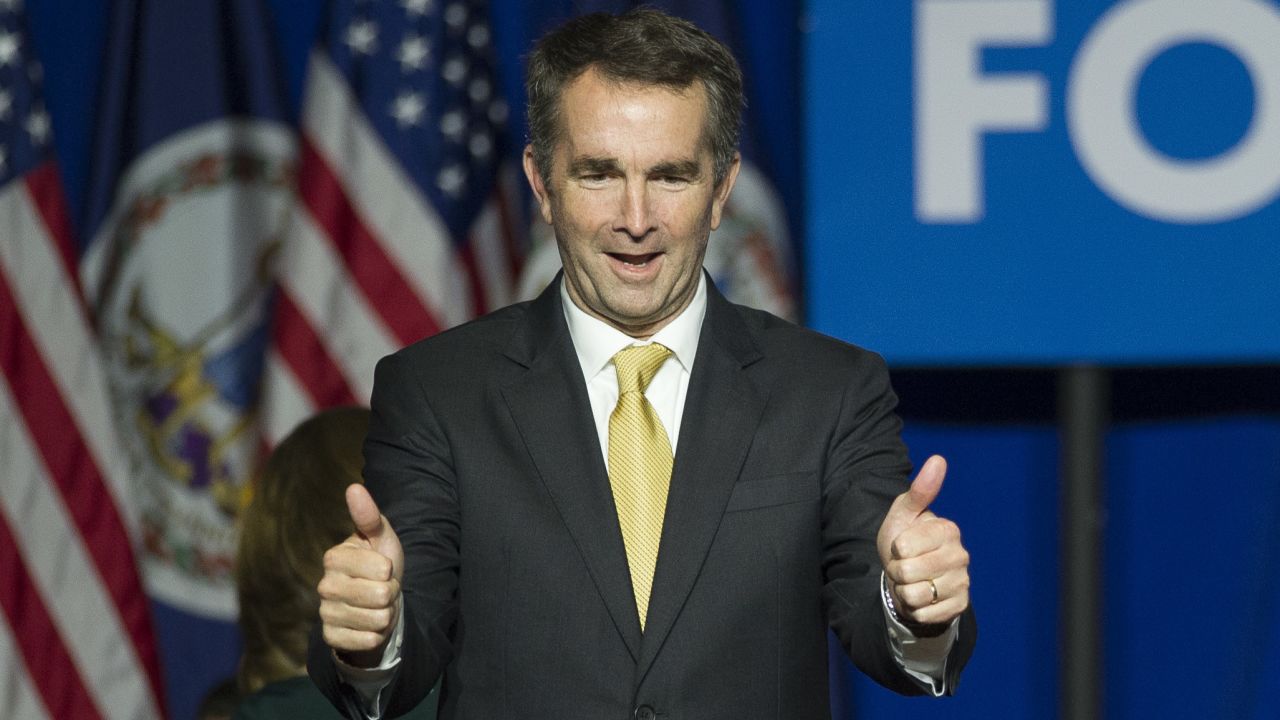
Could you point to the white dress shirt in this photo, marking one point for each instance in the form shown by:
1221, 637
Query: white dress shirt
596, 342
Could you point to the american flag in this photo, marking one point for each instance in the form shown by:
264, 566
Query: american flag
75, 632
402, 229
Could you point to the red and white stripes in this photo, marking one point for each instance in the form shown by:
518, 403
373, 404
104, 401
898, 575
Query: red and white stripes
368, 265
75, 616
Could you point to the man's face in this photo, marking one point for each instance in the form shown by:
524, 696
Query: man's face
632, 197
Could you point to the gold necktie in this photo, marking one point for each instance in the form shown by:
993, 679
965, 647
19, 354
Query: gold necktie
639, 465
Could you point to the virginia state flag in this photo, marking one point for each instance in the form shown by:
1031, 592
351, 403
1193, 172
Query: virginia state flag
192, 175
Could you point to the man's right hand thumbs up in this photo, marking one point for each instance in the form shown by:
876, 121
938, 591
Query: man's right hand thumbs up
360, 589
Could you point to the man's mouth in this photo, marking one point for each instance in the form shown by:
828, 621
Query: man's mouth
635, 260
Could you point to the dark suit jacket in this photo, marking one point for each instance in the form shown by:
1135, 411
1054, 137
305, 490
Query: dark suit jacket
298, 699
483, 454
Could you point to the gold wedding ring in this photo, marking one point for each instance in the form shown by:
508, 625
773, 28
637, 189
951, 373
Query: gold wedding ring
934, 589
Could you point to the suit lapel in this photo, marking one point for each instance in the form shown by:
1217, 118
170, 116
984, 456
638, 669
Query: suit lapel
721, 412
549, 405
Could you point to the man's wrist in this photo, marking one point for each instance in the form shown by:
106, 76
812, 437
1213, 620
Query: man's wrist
363, 659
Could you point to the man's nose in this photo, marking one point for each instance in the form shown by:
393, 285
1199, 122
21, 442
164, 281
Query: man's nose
635, 215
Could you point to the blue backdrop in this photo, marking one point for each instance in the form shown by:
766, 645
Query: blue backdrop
1037, 184
1040, 182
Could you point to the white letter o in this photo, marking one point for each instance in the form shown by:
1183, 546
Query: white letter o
1104, 129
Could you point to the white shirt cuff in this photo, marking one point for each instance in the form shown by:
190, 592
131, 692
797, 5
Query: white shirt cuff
370, 682
923, 658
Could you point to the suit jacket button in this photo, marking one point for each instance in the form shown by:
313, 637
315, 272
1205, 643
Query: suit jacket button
644, 712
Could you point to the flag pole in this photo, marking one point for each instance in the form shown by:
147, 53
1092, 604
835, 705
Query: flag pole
1083, 415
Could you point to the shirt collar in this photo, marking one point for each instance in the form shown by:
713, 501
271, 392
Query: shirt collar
596, 341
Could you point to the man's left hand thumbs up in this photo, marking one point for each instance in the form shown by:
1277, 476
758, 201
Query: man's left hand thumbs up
926, 565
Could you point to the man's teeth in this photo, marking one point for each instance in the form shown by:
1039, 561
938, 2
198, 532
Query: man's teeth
635, 260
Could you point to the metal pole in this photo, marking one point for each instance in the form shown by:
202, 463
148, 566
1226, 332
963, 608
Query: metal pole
1083, 415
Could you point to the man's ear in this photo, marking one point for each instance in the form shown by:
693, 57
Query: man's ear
723, 189
535, 183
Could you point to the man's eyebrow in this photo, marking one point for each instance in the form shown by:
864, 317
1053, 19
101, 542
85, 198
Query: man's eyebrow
677, 168
592, 166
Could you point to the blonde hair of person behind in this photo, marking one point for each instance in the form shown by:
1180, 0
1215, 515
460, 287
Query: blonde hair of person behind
297, 511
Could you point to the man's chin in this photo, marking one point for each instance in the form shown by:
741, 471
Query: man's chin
640, 320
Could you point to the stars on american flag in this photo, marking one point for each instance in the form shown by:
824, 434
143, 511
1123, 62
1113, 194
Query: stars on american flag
426, 72
9, 48
25, 129
454, 70
413, 54
478, 36
409, 108
452, 180
453, 125
38, 126
480, 145
479, 89
455, 16
417, 8
362, 37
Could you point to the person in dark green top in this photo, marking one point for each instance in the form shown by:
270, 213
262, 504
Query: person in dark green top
296, 511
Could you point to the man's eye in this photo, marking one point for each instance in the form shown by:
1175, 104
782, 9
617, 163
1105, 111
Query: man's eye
673, 180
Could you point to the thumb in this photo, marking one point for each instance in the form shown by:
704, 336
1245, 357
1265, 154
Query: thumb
924, 489
910, 505
371, 525
364, 513
374, 528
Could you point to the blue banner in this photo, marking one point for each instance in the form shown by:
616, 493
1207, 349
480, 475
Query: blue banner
1039, 182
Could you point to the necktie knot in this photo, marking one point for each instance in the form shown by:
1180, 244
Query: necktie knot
637, 364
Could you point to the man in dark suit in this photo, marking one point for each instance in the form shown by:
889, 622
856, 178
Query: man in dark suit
630, 498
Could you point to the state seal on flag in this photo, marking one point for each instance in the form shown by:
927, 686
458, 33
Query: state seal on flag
184, 274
